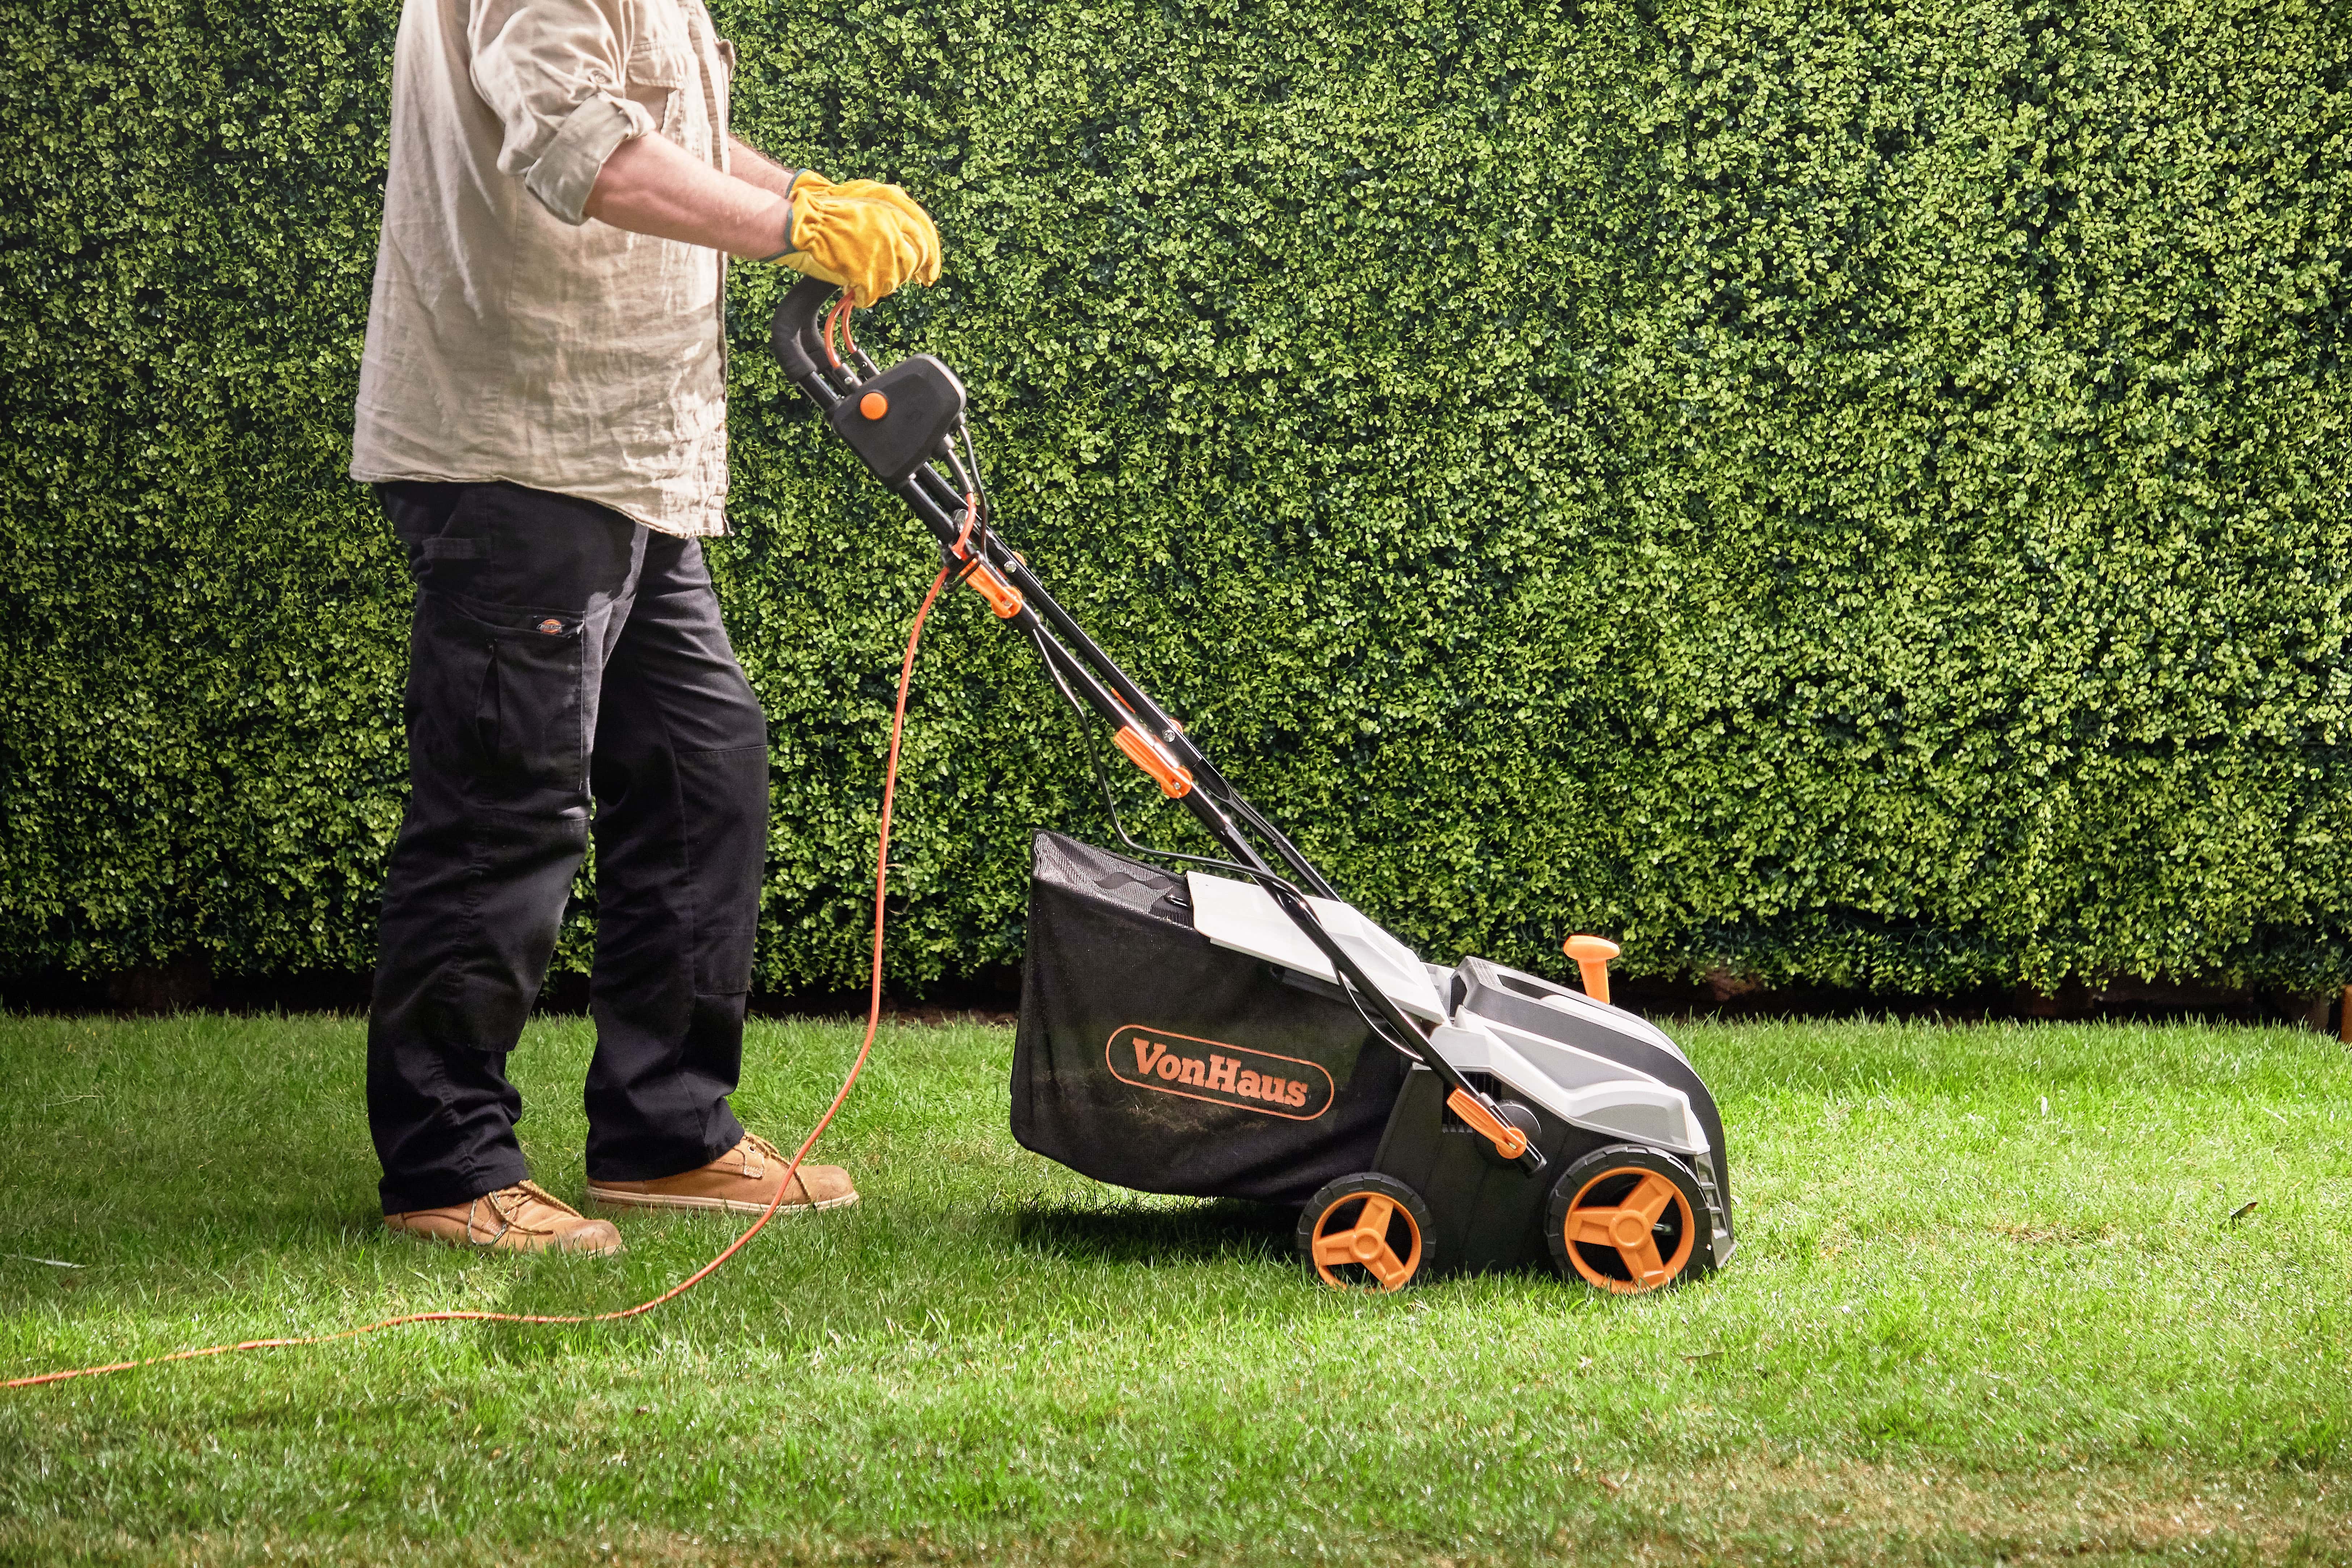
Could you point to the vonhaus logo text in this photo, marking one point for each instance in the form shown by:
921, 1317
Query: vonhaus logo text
1235, 1075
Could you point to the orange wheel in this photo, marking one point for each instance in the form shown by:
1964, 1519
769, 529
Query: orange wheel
1626, 1219
1366, 1231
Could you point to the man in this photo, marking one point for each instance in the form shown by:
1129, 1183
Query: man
542, 412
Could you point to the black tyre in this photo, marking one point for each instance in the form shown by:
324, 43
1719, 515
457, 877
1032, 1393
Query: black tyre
1366, 1231
1626, 1219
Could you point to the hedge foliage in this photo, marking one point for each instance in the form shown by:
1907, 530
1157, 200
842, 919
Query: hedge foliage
1851, 494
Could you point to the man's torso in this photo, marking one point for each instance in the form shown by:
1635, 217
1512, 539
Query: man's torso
506, 343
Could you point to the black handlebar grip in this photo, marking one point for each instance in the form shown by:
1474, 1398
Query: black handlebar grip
792, 335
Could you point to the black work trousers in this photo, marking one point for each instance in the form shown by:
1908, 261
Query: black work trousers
561, 653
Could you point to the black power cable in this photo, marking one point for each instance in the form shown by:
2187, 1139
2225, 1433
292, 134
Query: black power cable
1081, 715
980, 508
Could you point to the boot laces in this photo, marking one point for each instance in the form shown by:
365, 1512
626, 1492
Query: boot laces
509, 1205
755, 1152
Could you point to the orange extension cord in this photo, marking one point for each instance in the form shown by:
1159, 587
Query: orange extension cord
873, 1023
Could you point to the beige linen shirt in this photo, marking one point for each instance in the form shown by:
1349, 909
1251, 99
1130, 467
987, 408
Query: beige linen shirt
510, 338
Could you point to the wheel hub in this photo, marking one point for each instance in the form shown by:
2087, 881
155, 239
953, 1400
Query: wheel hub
1355, 1220
1650, 1225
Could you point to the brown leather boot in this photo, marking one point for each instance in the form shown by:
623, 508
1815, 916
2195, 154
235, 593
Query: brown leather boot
742, 1180
519, 1218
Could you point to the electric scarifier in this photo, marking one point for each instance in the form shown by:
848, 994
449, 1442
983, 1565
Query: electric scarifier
1233, 1028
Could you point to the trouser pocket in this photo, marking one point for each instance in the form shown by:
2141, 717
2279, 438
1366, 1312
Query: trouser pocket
499, 694
722, 963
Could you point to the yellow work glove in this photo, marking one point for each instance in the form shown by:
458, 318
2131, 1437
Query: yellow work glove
927, 233
837, 236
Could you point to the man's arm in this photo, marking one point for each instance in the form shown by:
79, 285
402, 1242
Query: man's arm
755, 166
868, 244
650, 185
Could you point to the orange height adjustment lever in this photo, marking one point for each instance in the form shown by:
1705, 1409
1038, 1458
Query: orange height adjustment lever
1592, 955
1508, 1141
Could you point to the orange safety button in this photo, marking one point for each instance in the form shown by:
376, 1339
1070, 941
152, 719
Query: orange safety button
874, 405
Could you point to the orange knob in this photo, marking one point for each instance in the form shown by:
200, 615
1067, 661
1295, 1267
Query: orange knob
1508, 1141
874, 405
1592, 955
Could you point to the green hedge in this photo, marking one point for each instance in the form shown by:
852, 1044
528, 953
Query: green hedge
1839, 494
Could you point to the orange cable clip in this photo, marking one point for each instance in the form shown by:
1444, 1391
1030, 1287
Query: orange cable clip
1144, 752
1002, 596
1508, 1141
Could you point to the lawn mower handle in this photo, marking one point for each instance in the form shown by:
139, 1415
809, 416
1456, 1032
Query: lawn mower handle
899, 426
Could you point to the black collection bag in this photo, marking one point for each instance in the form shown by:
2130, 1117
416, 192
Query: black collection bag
1151, 1059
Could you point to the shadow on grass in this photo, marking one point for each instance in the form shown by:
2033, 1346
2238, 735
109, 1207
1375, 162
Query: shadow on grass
1210, 1231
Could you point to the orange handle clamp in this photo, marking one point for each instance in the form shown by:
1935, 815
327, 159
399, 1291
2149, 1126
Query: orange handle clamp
1508, 1141
1144, 752
1592, 955
1002, 596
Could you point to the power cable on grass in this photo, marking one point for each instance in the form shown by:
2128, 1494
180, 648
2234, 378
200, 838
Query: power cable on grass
873, 1024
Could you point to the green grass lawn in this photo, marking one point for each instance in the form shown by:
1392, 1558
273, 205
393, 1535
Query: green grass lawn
1989, 1305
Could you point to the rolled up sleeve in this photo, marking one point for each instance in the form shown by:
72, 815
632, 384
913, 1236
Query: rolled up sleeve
552, 71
